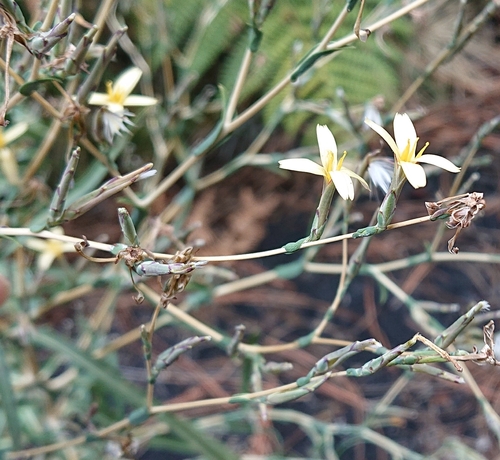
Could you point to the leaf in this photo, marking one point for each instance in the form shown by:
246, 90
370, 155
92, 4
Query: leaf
351, 4
9, 404
206, 446
30, 87
308, 62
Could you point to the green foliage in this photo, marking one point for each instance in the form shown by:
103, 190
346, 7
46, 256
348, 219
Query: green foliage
363, 71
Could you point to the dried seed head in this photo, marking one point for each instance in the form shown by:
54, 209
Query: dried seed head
460, 211
464, 210
132, 256
178, 282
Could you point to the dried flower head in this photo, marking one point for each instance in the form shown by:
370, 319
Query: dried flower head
460, 211
487, 354
178, 282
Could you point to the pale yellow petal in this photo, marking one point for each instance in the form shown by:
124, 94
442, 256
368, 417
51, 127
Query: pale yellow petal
36, 244
115, 108
421, 151
356, 176
139, 101
8, 165
98, 99
15, 132
302, 165
404, 131
58, 230
45, 260
114, 122
68, 247
343, 184
440, 162
127, 81
414, 173
327, 147
385, 135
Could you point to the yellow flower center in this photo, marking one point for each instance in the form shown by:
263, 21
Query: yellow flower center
329, 164
2, 140
408, 153
339, 164
422, 150
54, 247
115, 97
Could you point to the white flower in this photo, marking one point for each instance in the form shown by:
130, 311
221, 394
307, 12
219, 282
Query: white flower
404, 146
112, 118
8, 160
108, 124
118, 96
49, 249
331, 168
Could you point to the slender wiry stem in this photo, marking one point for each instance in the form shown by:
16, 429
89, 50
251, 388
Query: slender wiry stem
238, 86
150, 331
19, 97
7, 231
338, 295
42, 152
166, 183
333, 29
101, 16
263, 101
447, 53
378, 24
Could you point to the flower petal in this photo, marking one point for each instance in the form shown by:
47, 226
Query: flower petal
414, 173
113, 123
385, 135
98, 99
356, 176
8, 165
302, 165
438, 161
36, 244
139, 101
45, 260
343, 184
327, 147
380, 172
13, 133
127, 81
115, 108
404, 131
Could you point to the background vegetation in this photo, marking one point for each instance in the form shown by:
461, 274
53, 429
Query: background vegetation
347, 348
